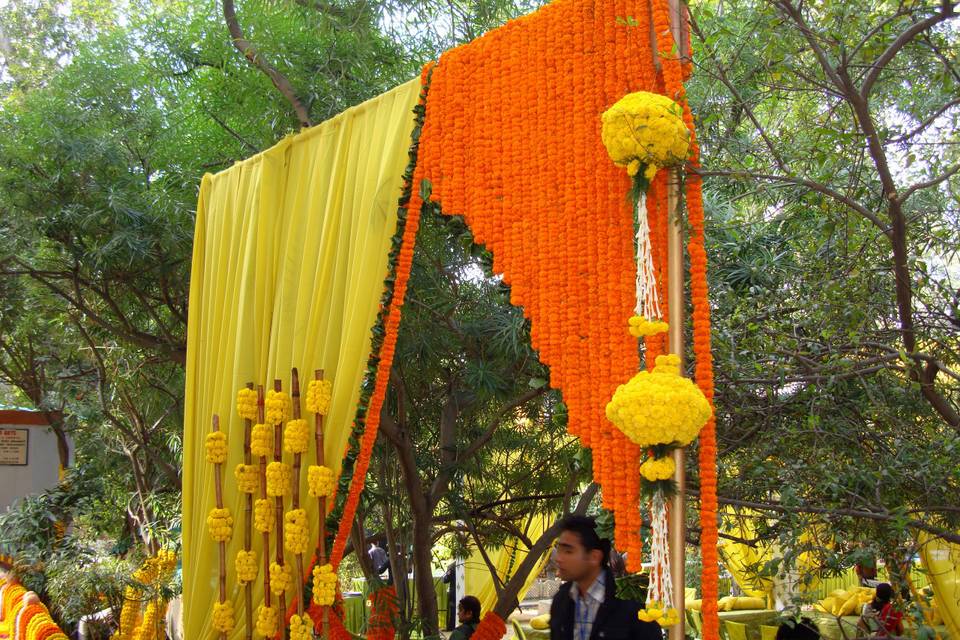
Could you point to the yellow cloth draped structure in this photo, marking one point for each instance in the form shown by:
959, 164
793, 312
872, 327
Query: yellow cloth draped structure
477, 578
290, 254
744, 561
941, 559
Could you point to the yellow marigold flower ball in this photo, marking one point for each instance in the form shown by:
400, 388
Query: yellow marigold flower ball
220, 524
669, 618
319, 393
320, 481
264, 515
654, 469
248, 480
296, 533
247, 404
278, 478
324, 585
246, 565
223, 616
266, 621
645, 131
277, 405
130, 612
261, 440
659, 406
216, 447
641, 327
280, 578
301, 627
296, 436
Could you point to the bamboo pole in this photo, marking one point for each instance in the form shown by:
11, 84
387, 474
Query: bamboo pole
278, 457
676, 517
322, 510
222, 544
267, 596
248, 527
295, 395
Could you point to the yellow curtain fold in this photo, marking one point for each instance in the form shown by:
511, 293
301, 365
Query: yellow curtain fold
941, 560
290, 253
477, 578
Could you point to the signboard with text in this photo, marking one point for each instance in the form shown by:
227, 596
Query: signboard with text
14, 444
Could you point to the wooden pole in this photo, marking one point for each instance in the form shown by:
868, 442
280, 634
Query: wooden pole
295, 395
222, 545
267, 596
278, 457
676, 521
322, 510
248, 527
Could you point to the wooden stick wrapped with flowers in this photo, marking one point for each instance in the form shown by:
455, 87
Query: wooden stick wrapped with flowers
659, 410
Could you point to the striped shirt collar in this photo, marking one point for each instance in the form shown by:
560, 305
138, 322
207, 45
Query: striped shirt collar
596, 592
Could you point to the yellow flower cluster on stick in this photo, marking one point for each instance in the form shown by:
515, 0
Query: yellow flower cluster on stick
296, 436
320, 481
296, 532
278, 478
640, 327
130, 612
324, 585
220, 524
656, 613
223, 616
644, 132
216, 447
261, 440
659, 406
264, 516
266, 621
148, 626
246, 565
247, 404
301, 627
280, 578
277, 405
157, 568
654, 469
247, 477
319, 393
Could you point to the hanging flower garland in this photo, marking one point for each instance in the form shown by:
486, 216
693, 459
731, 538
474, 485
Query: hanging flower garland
657, 409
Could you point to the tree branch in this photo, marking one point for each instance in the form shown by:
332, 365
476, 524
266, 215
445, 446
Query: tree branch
250, 52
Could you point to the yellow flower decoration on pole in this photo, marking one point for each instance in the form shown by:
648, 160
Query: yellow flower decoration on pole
264, 516
324, 585
278, 478
278, 406
320, 481
296, 532
215, 447
261, 440
301, 627
266, 621
247, 404
296, 436
220, 524
223, 616
281, 578
319, 393
246, 566
248, 480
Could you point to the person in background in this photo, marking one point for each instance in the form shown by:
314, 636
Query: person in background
450, 579
802, 629
879, 617
587, 607
380, 561
468, 615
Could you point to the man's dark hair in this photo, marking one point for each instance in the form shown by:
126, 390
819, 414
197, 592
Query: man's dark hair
586, 528
471, 604
802, 629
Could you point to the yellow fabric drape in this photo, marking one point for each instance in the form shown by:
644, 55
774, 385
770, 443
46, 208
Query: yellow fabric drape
941, 559
290, 253
741, 560
477, 579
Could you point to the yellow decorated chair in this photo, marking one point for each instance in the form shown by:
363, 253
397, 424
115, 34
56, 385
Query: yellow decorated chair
735, 630
768, 632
